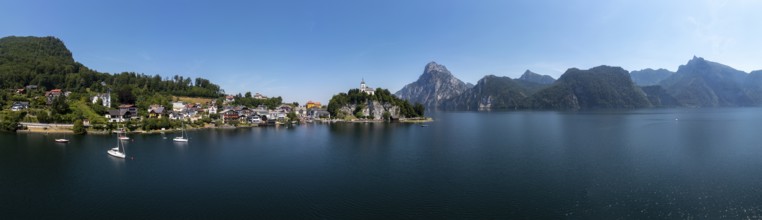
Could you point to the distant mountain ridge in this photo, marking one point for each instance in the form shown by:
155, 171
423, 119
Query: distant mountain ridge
649, 77
435, 85
490, 92
699, 83
702, 83
530, 76
598, 87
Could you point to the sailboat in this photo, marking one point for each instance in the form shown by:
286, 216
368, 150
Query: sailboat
182, 137
117, 151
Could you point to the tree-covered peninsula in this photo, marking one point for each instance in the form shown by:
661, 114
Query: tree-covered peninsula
377, 105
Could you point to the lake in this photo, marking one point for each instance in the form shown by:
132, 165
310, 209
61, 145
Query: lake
637, 164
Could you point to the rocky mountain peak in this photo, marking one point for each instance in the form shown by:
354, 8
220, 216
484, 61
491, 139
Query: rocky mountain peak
434, 85
433, 67
435, 70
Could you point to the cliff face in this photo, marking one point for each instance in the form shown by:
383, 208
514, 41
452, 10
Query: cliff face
374, 109
435, 85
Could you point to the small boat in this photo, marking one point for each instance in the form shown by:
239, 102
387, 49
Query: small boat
182, 137
62, 140
117, 151
424, 125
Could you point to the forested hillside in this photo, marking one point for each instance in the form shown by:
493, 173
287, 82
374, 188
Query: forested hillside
47, 63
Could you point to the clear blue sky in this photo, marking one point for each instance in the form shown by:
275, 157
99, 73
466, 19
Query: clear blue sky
310, 50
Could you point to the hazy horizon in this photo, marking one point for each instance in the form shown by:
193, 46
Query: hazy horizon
312, 50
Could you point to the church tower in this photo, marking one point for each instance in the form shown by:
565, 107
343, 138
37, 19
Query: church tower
364, 88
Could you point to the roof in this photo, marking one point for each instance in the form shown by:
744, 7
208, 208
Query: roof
55, 92
118, 112
157, 110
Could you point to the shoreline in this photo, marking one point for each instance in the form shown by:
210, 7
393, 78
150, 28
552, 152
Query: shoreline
108, 132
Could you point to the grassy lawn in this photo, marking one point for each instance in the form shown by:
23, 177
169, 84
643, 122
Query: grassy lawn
192, 99
81, 108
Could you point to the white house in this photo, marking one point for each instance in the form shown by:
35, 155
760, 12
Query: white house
259, 96
18, 106
229, 99
178, 106
255, 119
105, 97
212, 109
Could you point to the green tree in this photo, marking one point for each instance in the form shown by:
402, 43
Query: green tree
10, 122
292, 116
418, 109
125, 95
59, 105
79, 127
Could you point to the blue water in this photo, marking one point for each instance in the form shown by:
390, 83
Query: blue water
639, 164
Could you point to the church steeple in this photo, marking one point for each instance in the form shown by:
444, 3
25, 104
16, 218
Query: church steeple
364, 88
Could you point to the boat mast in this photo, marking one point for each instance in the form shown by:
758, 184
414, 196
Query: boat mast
183, 131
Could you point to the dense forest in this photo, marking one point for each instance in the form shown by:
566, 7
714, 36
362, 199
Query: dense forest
356, 97
47, 63
251, 102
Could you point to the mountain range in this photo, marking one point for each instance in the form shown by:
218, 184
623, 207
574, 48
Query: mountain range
698, 83
47, 63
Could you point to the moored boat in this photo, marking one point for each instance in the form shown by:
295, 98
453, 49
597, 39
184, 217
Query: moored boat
62, 140
117, 151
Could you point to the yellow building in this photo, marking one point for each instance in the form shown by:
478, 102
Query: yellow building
312, 104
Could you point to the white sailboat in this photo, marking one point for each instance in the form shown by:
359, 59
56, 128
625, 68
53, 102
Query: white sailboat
117, 151
182, 137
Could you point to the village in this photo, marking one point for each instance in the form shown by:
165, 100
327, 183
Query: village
230, 111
